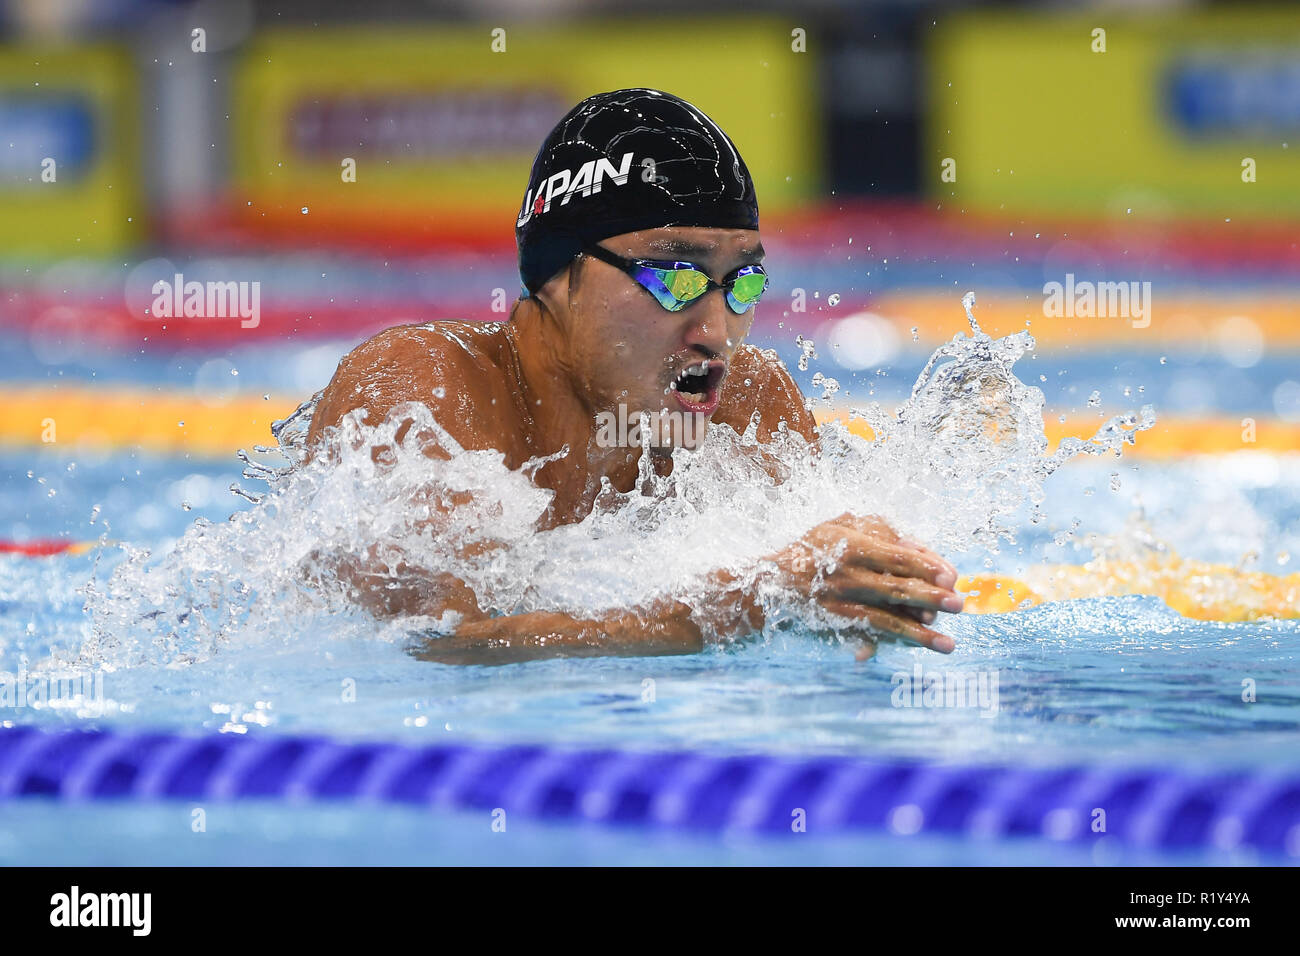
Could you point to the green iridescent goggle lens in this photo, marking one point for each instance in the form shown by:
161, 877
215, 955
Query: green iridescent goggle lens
676, 285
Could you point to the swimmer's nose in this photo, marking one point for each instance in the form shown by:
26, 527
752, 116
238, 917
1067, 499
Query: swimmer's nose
707, 331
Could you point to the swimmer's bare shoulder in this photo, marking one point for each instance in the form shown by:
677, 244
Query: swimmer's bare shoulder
759, 381
459, 370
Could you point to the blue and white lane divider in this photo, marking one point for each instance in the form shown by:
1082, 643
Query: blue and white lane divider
1148, 807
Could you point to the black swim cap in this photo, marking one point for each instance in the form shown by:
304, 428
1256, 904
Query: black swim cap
622, 161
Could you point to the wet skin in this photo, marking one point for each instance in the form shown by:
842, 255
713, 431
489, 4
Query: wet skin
536, 384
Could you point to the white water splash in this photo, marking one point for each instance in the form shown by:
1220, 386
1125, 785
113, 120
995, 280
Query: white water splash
960, 467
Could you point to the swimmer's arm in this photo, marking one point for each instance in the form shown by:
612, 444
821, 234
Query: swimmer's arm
771, 393
410, 363
764, 394
723, 613
664, 629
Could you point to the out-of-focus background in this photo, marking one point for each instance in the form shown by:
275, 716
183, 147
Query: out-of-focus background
338, 168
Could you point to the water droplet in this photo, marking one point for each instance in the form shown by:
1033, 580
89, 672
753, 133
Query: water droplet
968, 303
833, 299
807, 350
1094, 399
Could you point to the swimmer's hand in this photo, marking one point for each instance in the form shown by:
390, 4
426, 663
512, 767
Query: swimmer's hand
893, 586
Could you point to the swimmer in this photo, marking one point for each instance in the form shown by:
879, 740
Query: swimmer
641, 266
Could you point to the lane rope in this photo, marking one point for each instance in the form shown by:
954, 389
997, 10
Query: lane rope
1154, 808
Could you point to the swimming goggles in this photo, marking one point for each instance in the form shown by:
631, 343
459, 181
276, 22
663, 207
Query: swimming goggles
676, 285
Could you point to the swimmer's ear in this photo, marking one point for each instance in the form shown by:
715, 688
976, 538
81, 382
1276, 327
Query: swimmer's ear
574, 270
545, 298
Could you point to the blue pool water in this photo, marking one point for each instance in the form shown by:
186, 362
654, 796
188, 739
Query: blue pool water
1106, 681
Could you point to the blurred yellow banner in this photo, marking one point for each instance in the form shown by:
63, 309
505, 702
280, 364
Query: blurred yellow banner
436, 129
1111, 111
69, 182
177, 421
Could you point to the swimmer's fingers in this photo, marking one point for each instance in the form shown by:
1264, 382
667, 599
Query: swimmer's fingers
868, 587
888, 625
866, 524
925, 617
905, 561
934, 567
872, 543
877, 526
932, 558
901, 627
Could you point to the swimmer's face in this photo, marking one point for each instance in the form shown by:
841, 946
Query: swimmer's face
632, 351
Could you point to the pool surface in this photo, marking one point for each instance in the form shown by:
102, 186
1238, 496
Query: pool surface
1104, 682
175, 621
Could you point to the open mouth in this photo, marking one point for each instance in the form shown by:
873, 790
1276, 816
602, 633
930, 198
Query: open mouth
697, 386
